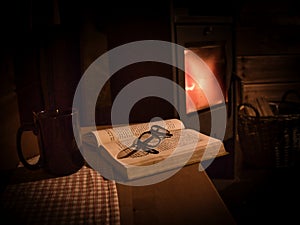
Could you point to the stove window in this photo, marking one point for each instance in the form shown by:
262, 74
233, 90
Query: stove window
207, 63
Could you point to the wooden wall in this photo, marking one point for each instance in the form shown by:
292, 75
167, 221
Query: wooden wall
9, 115
53, 39
267, 51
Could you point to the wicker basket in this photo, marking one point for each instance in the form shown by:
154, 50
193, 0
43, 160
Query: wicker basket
270, 141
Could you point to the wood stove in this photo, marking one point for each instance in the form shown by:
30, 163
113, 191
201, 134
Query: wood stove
211, 39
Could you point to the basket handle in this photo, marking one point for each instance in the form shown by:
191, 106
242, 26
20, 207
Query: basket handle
289, 92
240, 106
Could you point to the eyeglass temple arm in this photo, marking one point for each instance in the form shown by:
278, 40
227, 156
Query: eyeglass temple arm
155, 129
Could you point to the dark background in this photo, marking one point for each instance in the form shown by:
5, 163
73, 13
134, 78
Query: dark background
47, 45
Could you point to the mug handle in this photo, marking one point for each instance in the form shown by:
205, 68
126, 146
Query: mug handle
22, 128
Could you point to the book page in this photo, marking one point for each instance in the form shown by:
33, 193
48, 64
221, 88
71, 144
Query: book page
183, 147
182, 139
185, 140
121, 133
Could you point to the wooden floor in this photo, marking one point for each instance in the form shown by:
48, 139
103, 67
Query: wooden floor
263, 196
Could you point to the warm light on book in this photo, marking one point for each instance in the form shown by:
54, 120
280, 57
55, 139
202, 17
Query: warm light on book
181, 147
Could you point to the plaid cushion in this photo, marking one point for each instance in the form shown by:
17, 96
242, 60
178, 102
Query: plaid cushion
84, 197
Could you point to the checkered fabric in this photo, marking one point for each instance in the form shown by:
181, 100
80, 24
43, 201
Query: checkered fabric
84, 197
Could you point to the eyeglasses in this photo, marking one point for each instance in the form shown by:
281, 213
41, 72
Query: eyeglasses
146, 142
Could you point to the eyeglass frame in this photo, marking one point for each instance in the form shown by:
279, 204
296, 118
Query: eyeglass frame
138, 144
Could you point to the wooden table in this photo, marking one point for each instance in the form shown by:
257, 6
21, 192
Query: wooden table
188, 197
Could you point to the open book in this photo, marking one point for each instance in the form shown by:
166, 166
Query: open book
182, 147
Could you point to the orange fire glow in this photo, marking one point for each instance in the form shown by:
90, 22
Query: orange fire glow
199, 92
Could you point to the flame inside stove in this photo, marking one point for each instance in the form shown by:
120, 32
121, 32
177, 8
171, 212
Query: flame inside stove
203, 78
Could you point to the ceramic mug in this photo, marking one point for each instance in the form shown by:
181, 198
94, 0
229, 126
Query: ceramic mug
59, 153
